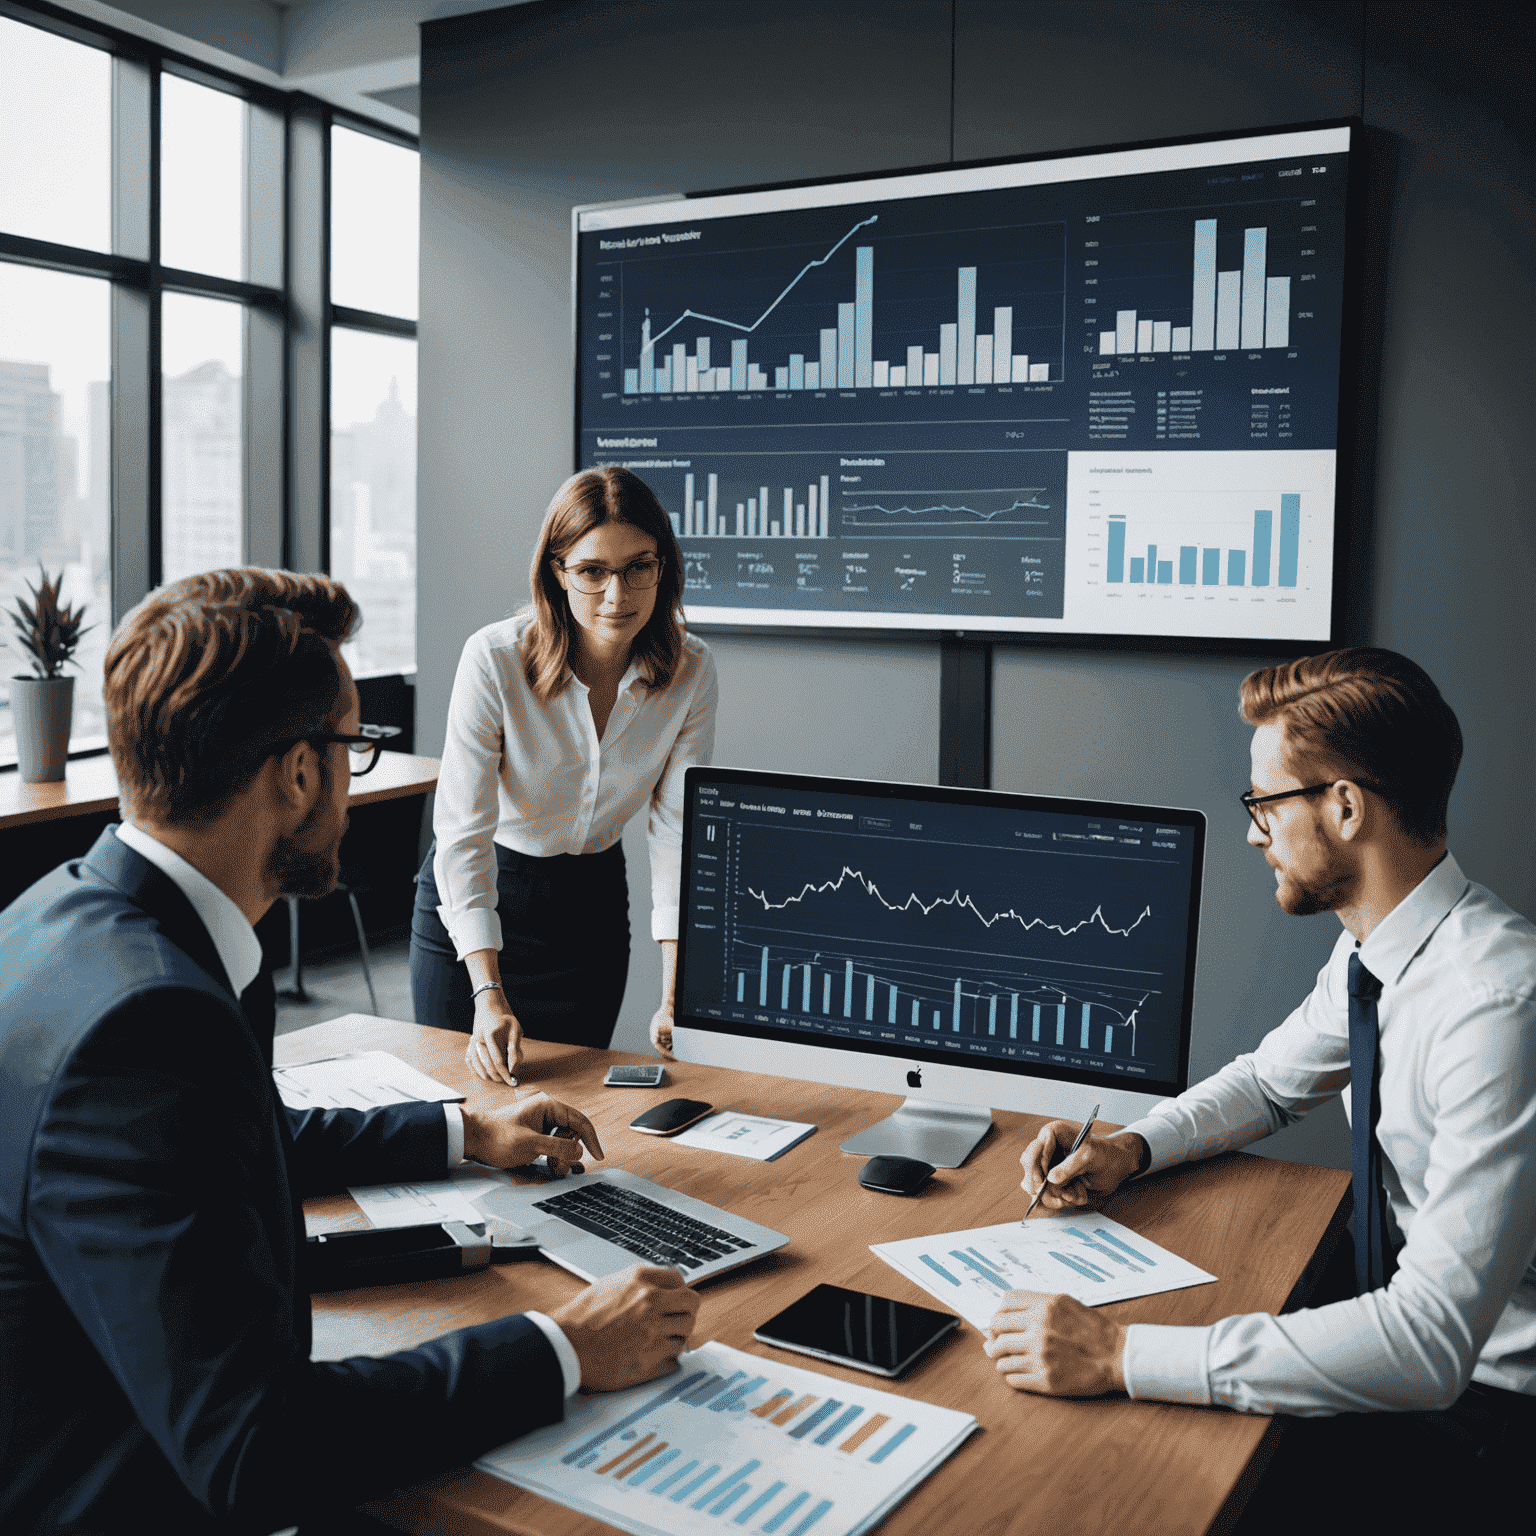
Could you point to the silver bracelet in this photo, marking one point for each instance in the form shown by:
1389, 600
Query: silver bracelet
487, 987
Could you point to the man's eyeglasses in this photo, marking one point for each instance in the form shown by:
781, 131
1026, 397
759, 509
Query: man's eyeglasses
362, 750
1251, 802
591, 579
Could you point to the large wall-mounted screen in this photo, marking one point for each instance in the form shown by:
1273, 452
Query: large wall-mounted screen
1091, 395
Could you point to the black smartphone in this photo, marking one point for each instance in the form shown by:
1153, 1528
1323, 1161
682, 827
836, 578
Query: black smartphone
854, 1328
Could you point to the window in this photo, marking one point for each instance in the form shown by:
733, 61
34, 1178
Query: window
201, 495
373, 493
374, 236
171, 313
55, 468
202, 178
375, 224
56, 125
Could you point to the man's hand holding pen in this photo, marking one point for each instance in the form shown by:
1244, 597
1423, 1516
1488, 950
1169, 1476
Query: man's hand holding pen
1089, 1174
1053, 1344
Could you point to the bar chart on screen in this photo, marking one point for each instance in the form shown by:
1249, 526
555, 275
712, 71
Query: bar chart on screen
735, 1442
1182, 281
808, 315
1232, 533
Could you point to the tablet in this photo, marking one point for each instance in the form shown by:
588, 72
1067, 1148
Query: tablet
853, 1328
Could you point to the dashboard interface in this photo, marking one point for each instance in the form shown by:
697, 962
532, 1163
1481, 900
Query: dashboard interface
1091, 394
1011, 932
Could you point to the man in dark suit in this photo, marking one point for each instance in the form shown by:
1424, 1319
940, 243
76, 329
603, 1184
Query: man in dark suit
154, 1326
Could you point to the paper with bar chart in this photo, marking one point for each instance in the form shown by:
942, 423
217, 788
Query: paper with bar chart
1084, 1254
735, 1442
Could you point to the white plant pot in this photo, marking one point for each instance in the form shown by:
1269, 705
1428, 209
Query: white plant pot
43, 711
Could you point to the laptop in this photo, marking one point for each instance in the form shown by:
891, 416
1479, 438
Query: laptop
595, 1224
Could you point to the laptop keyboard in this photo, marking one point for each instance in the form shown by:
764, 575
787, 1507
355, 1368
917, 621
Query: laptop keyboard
644, 1227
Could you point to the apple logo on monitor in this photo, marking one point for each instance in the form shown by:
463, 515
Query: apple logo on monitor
915, 1079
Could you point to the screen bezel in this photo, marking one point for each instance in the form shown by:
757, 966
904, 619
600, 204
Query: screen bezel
945, 795
1346, 471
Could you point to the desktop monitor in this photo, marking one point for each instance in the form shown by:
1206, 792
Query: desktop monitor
971, 949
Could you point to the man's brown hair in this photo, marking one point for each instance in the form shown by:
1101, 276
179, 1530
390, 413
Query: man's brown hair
1368, 715
210, 675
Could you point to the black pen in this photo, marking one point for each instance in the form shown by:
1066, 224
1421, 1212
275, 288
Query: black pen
1093, 1114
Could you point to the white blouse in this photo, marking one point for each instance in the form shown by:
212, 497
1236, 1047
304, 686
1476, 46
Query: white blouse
535, 777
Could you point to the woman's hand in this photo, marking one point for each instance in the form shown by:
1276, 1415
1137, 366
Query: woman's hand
661, 1031
496, 1044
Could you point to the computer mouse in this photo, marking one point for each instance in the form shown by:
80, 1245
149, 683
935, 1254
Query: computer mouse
895, 1175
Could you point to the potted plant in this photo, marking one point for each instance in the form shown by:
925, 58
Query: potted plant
42, 705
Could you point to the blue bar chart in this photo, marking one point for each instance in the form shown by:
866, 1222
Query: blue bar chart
1082, 1254
1200, 564
734, 1444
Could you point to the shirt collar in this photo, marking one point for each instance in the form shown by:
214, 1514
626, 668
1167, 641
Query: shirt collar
1405, 930
233, 937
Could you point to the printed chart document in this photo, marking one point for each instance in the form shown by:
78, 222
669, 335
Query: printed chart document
735, 1442
358, 1080
745, 1135
1085, 1254
414, 1205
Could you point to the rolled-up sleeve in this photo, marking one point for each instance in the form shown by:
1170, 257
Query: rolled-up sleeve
465, 815
694, 747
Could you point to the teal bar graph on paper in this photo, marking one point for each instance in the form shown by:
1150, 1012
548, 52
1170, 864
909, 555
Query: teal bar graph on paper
1263, 522
1290, 538
1210, 567
1138, 569
1237, 562
1114, 568
1187, 554
1165, 573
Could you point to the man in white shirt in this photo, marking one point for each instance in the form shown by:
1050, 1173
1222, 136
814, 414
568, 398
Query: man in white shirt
1425, 1019
154, 1322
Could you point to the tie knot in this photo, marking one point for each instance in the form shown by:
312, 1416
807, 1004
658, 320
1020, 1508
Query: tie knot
1361, 983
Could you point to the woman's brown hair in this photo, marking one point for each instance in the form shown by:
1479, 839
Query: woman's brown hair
584, 502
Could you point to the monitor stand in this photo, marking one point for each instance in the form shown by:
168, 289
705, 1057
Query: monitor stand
932, 1132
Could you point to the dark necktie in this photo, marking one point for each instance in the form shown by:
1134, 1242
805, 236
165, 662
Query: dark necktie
1373, 1253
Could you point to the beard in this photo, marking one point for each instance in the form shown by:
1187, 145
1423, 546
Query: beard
1325, 886
309, 862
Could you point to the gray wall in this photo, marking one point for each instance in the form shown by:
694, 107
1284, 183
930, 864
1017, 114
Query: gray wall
528, 111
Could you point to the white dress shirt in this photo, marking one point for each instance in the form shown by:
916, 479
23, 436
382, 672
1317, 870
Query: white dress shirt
535, 777
239, 952
1457, 1127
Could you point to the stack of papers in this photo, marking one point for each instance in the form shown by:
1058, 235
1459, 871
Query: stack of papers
734, 1441
358, 1080
1086, 1255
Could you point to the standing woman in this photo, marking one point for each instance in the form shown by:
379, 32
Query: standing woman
565, 719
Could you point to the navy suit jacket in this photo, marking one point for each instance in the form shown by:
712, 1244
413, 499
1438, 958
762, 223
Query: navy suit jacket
154, 1328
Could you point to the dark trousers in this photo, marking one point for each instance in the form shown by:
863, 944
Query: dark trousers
1356, 1474
564, 949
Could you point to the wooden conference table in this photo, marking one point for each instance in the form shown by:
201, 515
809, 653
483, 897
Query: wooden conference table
89, 787
1036, 1464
